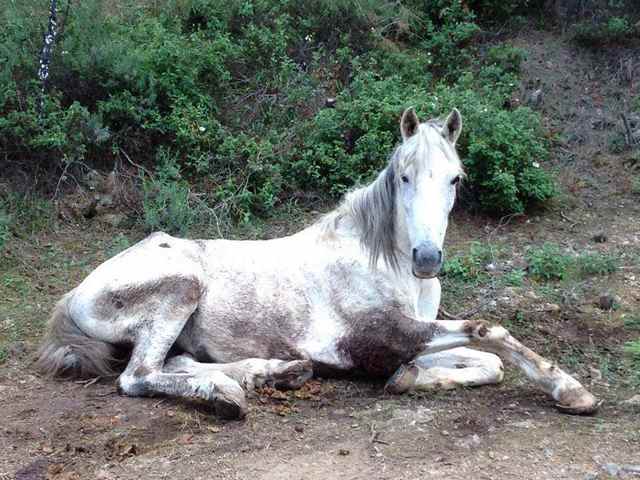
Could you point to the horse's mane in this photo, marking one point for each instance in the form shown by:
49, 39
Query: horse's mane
372, 211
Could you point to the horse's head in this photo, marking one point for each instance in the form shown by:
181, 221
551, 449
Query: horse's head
427, 172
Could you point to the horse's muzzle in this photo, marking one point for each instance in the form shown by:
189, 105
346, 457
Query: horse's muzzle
427, 259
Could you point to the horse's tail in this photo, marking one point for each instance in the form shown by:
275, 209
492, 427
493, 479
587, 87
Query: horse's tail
67, 351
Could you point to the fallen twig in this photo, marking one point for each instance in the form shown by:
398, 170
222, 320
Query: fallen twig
567, 219
462, 316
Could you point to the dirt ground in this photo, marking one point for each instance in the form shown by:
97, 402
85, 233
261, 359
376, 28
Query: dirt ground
349, 428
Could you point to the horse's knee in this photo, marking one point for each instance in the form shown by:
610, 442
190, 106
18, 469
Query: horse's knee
494, 368
133, 384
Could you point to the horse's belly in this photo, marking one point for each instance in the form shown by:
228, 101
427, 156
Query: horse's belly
237, 320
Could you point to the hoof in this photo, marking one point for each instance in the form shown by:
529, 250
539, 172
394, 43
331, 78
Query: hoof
403, 380
229, 408
578, 401
292, 375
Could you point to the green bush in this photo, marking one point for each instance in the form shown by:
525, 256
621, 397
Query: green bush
166, 200
234, 93
612, 30
4, 228
24, 214
597, 264
632, 349
507, 57
548, 262
469, 267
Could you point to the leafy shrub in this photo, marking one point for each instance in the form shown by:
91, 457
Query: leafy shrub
234, 93
24, 213
4, 228
513, 278
507, 57
632, 322
632, 349
548, 262
613, 30
597, 264
503, 158
166, 200
468, 267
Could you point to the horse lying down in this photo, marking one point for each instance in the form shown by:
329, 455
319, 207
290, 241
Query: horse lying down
355, 292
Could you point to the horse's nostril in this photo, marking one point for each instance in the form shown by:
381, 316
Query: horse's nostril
414, 253
439, 256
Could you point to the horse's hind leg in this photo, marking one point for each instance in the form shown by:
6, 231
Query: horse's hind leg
157, 322
250, 373
458, 367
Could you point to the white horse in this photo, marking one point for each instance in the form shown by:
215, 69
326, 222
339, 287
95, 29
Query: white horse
357, 291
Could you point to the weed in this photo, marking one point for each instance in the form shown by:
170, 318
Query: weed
548, 262
507, 57
5, 221
613, 30
118, 244
632, 322
597, 264
469, 267
618, 143
166, 199
24, 214
632, 349
513, 278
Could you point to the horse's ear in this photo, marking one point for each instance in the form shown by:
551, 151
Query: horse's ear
452, 126
409, 123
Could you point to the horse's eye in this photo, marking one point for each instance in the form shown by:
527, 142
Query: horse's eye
404, 179
456, 180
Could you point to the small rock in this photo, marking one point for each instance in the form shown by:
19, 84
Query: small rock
344, 452
606, 302
591, 476
523, 424
16, 349
531, 295
611, 469
104, 475
113, 219
491, 267
470, 442
600, 238
595, 373
535, 99
633, 401
299, 428
55, 469
330, 102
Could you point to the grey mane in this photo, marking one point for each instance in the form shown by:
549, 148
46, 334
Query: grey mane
373, 212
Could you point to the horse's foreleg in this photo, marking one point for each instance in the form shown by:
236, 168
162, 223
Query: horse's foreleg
571, 396
458, 367
250, 373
